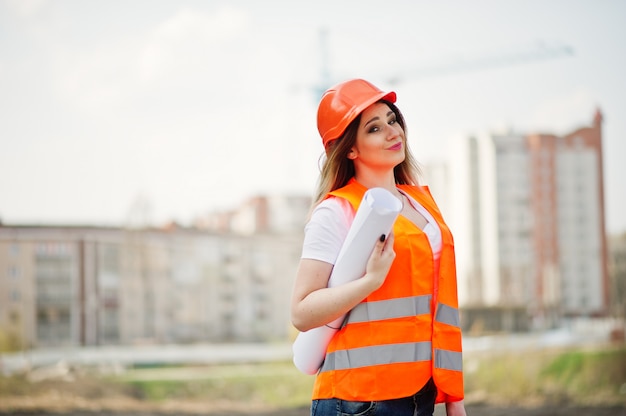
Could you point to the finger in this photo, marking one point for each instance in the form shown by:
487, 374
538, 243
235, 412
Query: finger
380, 244
389, 241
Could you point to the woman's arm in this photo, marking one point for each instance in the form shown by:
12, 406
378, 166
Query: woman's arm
314, 304
455, 408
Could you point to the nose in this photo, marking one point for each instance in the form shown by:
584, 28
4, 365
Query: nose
392, 131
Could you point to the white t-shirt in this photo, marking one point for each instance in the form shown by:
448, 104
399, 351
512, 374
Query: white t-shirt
330, 221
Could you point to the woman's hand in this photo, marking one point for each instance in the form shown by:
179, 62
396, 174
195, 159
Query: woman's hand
455, 408
314, 304
380, 261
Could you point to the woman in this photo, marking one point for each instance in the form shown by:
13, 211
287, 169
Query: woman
399, 350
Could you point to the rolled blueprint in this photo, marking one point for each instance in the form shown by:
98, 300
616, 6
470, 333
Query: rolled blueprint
376, 214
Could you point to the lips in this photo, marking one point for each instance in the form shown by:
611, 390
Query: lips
397, 146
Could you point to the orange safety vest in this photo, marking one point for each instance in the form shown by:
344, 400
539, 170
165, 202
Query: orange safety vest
405, 332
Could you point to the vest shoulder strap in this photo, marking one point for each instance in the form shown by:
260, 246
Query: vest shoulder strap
353, 192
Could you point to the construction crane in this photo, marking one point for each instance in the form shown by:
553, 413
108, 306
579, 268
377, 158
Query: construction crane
325, 77
538, 51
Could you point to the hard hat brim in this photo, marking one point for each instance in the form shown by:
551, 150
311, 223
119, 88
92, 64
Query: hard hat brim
343, 103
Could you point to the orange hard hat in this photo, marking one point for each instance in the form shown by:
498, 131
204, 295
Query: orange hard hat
341, 104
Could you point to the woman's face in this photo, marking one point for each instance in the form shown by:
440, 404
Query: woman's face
379, 139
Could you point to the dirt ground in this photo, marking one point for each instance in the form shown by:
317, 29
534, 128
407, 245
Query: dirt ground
234, 410
471, 411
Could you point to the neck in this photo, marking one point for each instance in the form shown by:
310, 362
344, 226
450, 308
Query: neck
376, 180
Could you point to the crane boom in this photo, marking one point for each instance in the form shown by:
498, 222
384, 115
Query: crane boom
537, 52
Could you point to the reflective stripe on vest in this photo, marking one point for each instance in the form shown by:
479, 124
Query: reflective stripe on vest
389, 309
376, 355
447, 315
396, 353
390, 354
403, 307
449, 360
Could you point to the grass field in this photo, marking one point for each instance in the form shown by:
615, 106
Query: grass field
550, 376
547, 377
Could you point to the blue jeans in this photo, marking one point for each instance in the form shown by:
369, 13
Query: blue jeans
421, 403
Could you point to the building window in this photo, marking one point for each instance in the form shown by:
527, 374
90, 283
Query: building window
14, 318
13, 272
52, 250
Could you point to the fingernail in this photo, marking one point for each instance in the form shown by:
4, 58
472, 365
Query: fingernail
382, 238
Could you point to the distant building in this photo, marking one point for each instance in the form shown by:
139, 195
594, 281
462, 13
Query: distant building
617, 273
437, 178
83, 285
260, 214
529, 227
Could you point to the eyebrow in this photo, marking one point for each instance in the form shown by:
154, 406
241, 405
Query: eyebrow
377, 118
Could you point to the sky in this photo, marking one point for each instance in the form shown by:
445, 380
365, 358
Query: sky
150, 110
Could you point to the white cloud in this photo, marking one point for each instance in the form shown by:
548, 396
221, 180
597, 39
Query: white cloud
26, 7
96, 79
222, 24
189, 37
189, 50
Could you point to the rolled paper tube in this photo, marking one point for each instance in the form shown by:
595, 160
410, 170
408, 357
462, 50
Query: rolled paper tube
376, 215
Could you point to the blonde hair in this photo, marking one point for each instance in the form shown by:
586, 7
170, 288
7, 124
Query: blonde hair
336, 169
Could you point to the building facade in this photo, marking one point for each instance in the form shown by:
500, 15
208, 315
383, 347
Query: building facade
617, 273
82, 285
531, 234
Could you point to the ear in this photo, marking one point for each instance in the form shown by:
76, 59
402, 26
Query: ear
352, 154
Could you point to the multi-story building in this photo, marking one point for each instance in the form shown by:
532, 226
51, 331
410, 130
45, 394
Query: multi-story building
530, 231
617, 272
83, 285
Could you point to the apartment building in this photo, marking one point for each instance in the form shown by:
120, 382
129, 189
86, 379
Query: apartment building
84, 285
530, 231
617, 272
